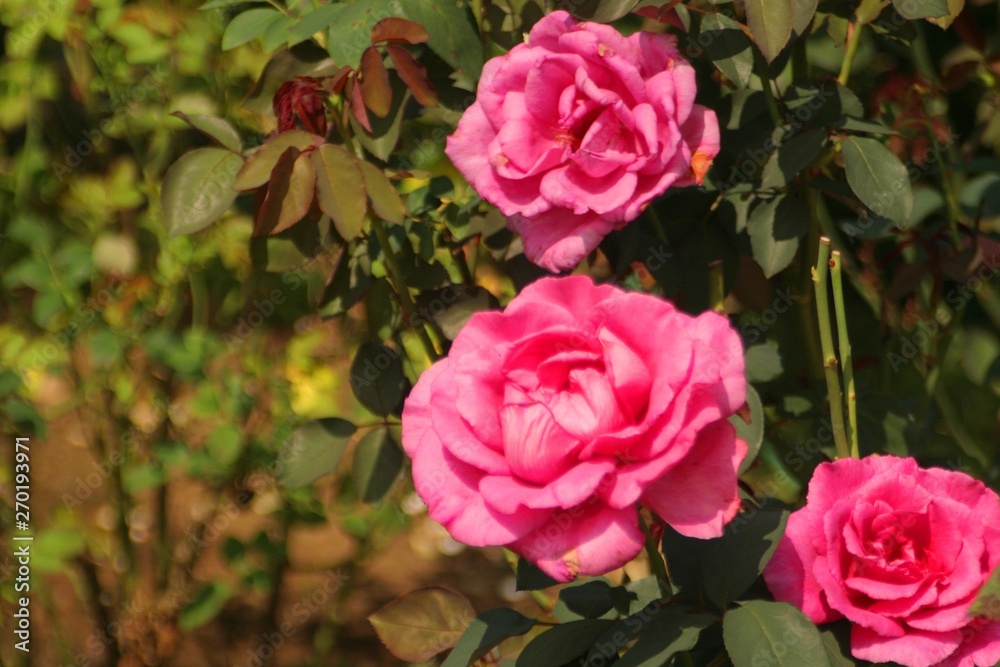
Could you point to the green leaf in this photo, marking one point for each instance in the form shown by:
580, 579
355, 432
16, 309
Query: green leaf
351, 25
421, 624
775, 227
382, 308
921, 9
725, 567
452, 35
592, 598
837, 644
803, 12
792, 156
955, 8
486, 632
385, 199
728, 47
205, 606
214, 128
55, 547
258, 167
249, 25
530, 578
377, 378
667, 635
563, 643
878, 178
277, 34
752, 433
143, 477
317, 20
763, 362
313, 450
378, 463
773, 633
196, 189
602, 11
770, 23
351, 279
340, 189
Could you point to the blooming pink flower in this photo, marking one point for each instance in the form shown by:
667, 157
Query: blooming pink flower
901, 552
547, 423
575, 132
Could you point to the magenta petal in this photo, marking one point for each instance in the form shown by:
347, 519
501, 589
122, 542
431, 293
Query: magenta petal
699, 495
980, 648
569, 187
559, 239
788, 574
629, 375
586, 540
916, 648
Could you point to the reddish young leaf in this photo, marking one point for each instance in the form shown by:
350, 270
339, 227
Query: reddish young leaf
258, 167
336, 83
414, 75
399, 30
375, 87
289, 193
358, 103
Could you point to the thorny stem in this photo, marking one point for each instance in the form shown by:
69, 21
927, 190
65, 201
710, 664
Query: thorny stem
821, 277
845, 354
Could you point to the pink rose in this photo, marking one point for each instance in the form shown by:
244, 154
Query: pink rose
901, 552
575, 132
547, 423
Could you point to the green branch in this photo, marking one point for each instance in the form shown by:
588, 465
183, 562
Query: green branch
821, 277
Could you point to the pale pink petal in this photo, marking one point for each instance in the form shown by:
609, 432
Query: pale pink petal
569, 490
559, 239
916, 648
588, 539
699, 495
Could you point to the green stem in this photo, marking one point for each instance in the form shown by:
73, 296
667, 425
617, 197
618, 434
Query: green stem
820, 279
845, 354
406, 299
853, 39
765, 82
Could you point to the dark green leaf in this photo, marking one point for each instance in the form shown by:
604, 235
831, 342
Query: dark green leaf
770, 23
725, 567
383, 310
593, 598
484, 633
563, 643
837, 643
775, 227
602, 11
668, 634
249, 25
773, 633
214, 128
878, 178
313, 450
197, 189
378, 463
530, 578
349, 283
792, 156
921, 9
452, 35
728, 47
377, 378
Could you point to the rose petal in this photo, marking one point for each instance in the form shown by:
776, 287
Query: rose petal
916, 648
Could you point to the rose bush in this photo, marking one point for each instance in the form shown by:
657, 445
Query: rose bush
901, 552
548, 422
575, 132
